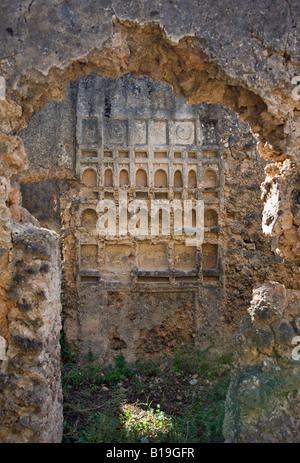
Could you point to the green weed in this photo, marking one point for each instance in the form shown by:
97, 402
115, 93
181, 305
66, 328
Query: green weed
116, 403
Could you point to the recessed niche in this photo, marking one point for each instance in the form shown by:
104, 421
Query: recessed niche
89, 178
89, 256
209, 256
141, 178
185, 257
160, 154
210, 179
108, 178
177, 179
141, 195
210, 218
108, 154
210, 194
160, 132
89, 219
124, 179
177, 154
160, 179
89, 154
141, 154
89, 279
194, 218
161, 195
153, 279
211, 280
118, 256
191, 155
123, 154
192, 179
186, 279
209, 154
152, 257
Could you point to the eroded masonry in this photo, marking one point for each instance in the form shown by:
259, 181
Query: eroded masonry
139, 145
242, 55
142, 160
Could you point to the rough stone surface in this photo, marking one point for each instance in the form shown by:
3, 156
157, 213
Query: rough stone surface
31, 400
175, 42
220, 145
263, 399
242, 55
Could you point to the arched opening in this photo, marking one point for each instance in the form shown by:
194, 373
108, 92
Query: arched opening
141, 178
210, 179
89, 219
89, 178
268, 126
177, 179
108, 178
124, 179
160, 179
192, 179
114, 139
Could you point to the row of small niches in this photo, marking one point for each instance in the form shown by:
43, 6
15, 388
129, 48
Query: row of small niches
90, 156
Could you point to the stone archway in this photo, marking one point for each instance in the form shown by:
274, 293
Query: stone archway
261, 95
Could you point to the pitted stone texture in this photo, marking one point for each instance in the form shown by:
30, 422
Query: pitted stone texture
34, 24
31, 399
263, 399
202, 64
281, 217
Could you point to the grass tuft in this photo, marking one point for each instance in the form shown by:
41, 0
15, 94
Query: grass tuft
177, 398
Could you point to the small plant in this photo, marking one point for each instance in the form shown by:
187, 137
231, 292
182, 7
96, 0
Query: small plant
149, 368
140, 422
68, 352
91, 357
114, 404
102, 428
117, 373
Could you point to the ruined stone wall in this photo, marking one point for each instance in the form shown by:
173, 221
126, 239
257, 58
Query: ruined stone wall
263, 400
31, 398
30, 280
244, 55
251, 256
118, 291
135, 294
